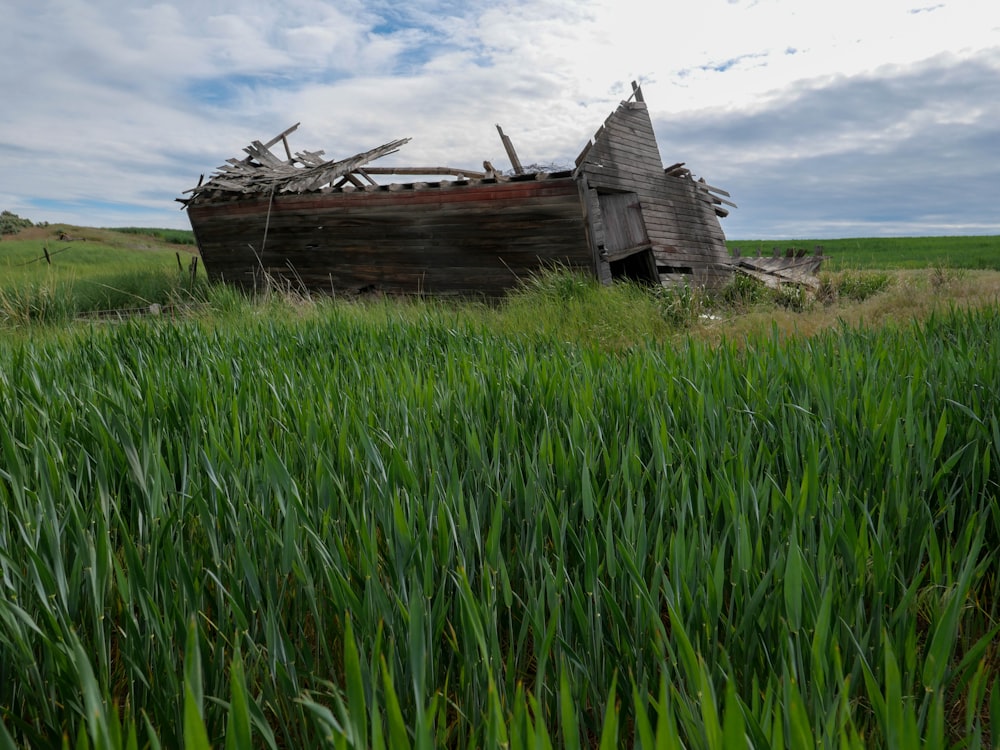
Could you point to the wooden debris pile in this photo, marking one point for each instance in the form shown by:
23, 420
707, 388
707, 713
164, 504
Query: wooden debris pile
263, 172
794, 266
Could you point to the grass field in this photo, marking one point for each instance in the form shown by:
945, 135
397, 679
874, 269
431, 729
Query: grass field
891, 252
45, 277
588, 516
90, 251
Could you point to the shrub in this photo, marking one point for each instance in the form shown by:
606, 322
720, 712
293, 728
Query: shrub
678, 305
943, 276
861, 286
11, 223
826, 291
791, 297
743, 292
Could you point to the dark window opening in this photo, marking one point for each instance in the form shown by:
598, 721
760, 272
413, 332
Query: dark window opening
675, 269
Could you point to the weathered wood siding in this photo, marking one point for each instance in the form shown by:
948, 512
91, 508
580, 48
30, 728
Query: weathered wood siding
624, 224
697, 239
683, 229
476, 237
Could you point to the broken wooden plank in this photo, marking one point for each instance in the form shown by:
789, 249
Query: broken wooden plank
511, 153
705, 185
284, 134
714, 199
270, 173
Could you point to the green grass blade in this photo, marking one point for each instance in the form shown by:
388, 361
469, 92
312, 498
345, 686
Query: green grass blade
609, 728
733, 725
239, 726
567, 712
356, 703
398, 736
195, 733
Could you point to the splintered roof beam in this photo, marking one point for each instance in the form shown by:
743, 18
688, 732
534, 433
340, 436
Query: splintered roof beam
281, 136
511, 153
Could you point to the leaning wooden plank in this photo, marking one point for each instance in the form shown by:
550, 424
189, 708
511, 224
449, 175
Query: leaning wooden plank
511, 153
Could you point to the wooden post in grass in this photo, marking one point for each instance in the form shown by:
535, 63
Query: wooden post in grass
45, 250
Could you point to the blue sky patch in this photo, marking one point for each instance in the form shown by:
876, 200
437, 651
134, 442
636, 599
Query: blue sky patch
722, 67
98, 207
223, 91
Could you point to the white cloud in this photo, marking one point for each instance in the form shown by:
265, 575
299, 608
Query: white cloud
129, 104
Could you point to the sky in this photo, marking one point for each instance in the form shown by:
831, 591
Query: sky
822, 118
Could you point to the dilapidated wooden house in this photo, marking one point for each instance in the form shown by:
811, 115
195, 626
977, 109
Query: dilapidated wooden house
329, 225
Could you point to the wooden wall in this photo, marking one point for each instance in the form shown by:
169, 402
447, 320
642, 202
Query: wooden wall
465, 237
683, 229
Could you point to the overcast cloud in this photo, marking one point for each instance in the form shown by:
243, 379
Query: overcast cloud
823, 119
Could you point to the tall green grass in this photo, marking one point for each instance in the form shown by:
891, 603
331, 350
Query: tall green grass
56, 301
354, 532
47, 280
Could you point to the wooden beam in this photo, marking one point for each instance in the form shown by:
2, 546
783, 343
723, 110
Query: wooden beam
282, 135
364, 173
425, 170
511, 153
613, 255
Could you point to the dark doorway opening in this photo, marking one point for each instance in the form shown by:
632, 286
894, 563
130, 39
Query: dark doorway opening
639, 267
626, 243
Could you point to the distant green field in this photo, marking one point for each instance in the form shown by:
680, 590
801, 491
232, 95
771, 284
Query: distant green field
49, 273
890, 252
172, 236
90, 251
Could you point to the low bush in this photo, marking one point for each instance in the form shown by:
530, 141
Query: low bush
743, 292
680, 305
859, 286
11, 223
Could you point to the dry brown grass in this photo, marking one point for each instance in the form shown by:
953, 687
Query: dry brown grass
912, 295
